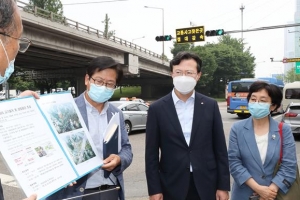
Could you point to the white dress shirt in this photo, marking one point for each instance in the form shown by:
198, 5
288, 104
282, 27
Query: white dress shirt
185, 113
262, 144
97, 123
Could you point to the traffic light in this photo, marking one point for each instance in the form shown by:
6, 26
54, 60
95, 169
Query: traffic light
217, 32
163, 38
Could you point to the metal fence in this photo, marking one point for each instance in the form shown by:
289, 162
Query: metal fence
81, 27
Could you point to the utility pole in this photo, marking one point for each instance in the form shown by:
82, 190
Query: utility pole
242, 9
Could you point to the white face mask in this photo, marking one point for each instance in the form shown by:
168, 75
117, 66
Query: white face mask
184, 84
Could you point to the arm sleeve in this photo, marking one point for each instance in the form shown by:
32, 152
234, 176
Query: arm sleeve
220, 150
286, 174
152, 153
237, 170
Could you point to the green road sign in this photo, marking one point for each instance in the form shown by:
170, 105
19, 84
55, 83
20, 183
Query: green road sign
297, 68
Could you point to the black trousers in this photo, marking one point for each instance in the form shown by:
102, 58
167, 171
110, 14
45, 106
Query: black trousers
192, 193
106, 194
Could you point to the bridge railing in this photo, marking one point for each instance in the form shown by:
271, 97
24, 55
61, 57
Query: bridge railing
82, 27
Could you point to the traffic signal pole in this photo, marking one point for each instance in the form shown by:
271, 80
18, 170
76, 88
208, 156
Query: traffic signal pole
264, 28
163, 32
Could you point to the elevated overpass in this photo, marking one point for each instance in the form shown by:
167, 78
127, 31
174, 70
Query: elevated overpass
61, 49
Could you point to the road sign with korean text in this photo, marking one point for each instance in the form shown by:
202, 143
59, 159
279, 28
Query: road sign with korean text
191, 34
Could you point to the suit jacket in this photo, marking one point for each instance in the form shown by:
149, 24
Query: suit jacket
125, 155
169, 173
245, 161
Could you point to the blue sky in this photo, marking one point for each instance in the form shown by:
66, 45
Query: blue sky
131, 20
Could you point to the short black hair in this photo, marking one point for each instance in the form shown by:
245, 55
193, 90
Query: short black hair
184, 55
7, 10
104, 62
273, 91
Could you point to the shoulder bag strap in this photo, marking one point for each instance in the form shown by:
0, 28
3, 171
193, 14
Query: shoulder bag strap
281, 140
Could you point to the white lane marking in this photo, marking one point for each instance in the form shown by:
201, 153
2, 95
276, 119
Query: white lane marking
8, 180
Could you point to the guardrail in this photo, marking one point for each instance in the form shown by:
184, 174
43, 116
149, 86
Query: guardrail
81, 27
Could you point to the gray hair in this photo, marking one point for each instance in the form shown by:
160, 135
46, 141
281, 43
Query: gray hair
7, 9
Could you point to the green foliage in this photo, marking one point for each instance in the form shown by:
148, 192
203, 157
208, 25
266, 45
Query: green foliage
54, 6
164, 57
291, 76
181, 47
208, 59
127, 92
280, 77
107, 34
19, 82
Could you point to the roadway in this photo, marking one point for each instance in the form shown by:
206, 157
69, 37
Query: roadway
135, 181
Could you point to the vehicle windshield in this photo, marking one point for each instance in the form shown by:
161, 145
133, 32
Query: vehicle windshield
240, 86
295, 109
292, 93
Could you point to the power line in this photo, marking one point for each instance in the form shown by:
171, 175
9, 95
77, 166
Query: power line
247, 11
69, 4
230, 12
274, 11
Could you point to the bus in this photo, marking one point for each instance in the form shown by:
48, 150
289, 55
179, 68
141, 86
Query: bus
237, 92
291, 93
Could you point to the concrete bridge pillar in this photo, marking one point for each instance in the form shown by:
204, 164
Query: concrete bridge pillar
80, 86
146, 91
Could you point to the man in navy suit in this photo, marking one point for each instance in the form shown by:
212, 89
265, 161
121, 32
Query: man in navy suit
186, 154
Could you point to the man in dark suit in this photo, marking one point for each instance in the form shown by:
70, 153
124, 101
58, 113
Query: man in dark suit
186, 154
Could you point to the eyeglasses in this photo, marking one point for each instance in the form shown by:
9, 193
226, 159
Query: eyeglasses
259, 102
24, 42
186, 73
100, 82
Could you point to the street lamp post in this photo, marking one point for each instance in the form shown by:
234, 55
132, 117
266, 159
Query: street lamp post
242, 9
137, 38
135, 45
163, 30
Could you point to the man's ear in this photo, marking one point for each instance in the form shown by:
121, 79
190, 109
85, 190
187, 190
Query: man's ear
86, 79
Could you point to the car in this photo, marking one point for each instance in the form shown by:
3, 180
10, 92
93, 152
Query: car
124, 99
141, 100
292, 117
135, 114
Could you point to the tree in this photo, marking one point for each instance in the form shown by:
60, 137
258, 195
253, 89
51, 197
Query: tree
181, 47
164, 57
19, 82
107, 34
233, 63
291, 76
208, 68
54, 6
